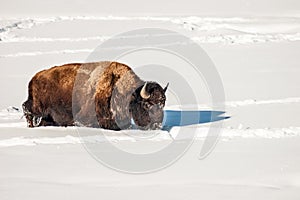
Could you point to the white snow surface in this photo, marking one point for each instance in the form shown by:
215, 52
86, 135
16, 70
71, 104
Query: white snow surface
229, 30
13, 118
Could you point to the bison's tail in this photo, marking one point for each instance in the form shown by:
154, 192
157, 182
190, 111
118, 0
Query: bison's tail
27, 107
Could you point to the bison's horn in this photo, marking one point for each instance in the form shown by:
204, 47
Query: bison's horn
165, 89
144, 94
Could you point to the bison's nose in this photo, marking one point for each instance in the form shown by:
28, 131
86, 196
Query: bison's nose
156, 126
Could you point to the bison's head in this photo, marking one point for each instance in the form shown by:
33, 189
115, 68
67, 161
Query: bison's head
147, 105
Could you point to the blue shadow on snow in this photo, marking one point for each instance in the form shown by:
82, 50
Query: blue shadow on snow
183, 118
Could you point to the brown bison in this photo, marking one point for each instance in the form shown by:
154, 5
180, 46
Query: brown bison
99, 94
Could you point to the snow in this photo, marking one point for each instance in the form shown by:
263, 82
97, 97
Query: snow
230, 30
257, 153
260, 102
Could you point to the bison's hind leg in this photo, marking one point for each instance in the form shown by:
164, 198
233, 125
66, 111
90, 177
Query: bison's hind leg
48, 121
36, 121
32, 119
27, 106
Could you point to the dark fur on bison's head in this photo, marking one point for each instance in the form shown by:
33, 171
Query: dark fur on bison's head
147, 105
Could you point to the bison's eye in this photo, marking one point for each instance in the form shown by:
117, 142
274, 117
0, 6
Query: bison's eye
161, 104
147, 105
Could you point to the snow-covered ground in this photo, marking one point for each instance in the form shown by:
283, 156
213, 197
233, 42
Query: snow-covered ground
258, 152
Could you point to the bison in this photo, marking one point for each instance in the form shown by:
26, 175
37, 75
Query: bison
99, 94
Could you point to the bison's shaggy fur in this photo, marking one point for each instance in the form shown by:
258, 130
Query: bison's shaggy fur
100, 94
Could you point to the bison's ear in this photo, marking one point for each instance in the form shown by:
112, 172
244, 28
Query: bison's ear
165, 89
